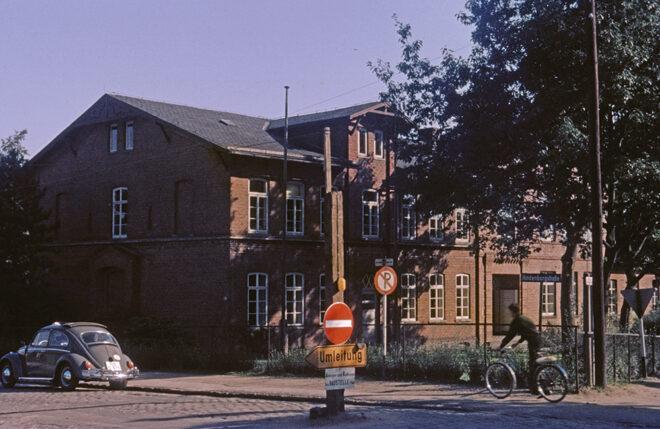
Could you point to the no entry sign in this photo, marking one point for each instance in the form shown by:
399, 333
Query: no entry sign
385, 280
338, 323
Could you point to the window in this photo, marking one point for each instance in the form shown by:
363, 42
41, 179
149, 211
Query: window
362, 142
379, 145
548, 294
435, 227
574, 291
462, 296
370, 214
436, 297
58, 340
258, 195
294, 298
408, 298
462, 227
119, 209
257, 299
321, 208
128, 144
113, 138
295, 201
41, 339
612, 297
323, 298
408, 218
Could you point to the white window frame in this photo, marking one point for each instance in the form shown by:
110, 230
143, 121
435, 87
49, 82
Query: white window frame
436, 233
408, 297
368, 209
113, 142
379, 144
462, 296
408, 221
612, 297
119, 212
363, 138
323, 299
129, 138
461, 223
259, 196
436, 297
546, 296
298, 221
294, 295
259, 287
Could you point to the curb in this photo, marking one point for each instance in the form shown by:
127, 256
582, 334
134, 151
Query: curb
312, 399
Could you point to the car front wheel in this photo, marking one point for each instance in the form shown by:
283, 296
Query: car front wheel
67, 378
118, 384
7, 375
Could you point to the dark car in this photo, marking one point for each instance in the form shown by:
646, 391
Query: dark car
64, 354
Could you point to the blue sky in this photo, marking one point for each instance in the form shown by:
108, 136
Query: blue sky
58, 57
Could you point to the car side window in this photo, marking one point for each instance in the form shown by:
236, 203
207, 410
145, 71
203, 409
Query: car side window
58, 340
41, 339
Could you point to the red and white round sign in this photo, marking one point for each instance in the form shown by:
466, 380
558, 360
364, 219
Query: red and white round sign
338, 323
385, 280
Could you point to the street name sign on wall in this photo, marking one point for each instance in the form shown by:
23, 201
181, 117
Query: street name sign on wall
638, 299
339, 378
541, 278
338, 323
344, 356
384, 262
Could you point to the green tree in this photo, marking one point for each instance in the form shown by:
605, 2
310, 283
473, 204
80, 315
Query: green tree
23, 232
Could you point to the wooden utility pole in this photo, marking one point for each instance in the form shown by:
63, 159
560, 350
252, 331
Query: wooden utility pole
333, 218
597, 211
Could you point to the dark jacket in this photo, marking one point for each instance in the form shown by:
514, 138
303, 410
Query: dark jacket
524, 327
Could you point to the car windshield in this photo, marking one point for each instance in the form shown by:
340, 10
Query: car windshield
95, 337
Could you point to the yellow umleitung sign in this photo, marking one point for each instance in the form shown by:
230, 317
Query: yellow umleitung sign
346, 355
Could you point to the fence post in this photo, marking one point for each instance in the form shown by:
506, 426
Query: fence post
614, 357
628, 337
576, 359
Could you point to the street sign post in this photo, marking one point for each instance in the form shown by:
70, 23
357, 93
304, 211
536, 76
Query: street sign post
385, 282
343, 356
338, 323
339, 378
638, 300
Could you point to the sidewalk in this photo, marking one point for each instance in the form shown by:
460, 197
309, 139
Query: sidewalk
391, 393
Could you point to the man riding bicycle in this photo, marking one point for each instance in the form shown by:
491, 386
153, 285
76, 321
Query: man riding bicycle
523, 326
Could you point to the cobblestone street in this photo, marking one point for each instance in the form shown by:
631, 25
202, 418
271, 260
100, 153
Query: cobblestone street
100, 408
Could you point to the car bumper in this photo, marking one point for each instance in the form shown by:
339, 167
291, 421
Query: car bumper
105, 375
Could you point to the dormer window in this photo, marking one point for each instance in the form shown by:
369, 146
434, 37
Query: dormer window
363, 142
113, 138
379, 144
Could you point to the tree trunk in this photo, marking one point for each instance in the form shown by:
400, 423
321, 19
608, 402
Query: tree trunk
567, 299
624, 316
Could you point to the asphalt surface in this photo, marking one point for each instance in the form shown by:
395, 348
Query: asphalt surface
30, 407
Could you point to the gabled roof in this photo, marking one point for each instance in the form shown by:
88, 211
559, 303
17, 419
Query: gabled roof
236, 133
328, 115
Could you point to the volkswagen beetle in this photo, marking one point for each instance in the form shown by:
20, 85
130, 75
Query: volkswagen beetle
63, 354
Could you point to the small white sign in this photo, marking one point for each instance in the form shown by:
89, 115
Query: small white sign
339, 378
384, 262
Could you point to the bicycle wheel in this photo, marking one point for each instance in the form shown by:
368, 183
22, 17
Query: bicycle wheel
552, 382
500, 380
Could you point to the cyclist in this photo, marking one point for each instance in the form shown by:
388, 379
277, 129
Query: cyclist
523, 326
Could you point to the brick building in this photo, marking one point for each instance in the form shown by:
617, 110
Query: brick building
176, 212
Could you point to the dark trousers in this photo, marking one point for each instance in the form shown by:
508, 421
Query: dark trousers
533, 347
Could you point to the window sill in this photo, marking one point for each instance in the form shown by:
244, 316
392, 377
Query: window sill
438, 321
257, 232
463, 319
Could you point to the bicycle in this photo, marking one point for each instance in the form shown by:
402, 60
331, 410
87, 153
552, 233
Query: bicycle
551, 378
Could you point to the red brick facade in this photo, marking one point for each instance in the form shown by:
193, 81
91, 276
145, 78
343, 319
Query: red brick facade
188, 250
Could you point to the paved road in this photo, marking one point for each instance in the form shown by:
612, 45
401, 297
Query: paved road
99, 408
